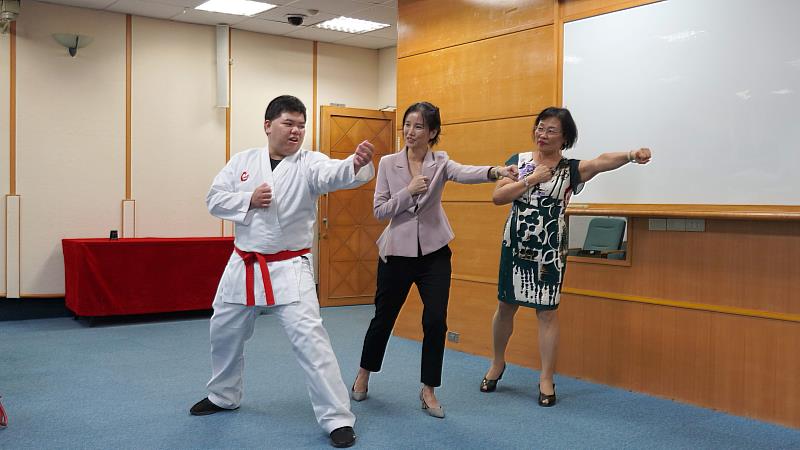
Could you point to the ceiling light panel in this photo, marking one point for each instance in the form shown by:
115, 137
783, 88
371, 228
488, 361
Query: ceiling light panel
350, 25
235, 7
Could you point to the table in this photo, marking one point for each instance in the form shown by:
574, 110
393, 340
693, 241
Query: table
106, 277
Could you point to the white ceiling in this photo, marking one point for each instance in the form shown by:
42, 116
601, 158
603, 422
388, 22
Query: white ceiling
272, 21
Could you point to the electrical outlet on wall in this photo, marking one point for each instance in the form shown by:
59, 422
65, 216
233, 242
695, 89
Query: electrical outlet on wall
676, 224
452, 336
695, 225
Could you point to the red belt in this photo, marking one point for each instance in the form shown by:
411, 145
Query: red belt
250, 258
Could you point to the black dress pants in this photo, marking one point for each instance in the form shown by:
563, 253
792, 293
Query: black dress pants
431, 274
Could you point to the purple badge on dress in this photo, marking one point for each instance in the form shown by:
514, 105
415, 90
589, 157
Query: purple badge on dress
526, 169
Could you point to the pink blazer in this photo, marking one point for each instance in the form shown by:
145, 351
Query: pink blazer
418, 218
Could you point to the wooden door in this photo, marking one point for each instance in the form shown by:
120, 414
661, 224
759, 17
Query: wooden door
348, 255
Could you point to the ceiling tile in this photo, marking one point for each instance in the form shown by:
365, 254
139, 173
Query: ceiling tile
182, 3
381, 14
208, 18
145, 8
94, 4
385, 33
318, 34
280, 14
275, 2
269, 22
191, 4
337, 7
365, 41
266, 26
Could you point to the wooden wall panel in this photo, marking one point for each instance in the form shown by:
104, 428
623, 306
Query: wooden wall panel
425, 25
745, 264
488, 143
470, 313
479, 230
762, 213
708, 359
506, 76
409, 323
742, 365
576, 9
684, 344
786, 385
489, 81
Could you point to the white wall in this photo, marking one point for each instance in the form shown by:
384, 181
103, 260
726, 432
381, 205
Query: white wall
70, 136
347, 76
178, 135
4, 152
265, 67
387, 77
70, 149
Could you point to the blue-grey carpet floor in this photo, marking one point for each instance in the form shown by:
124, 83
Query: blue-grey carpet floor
123, 385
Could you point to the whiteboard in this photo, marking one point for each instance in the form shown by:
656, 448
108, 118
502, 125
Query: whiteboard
711, 86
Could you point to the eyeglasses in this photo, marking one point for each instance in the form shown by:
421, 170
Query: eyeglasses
551, 131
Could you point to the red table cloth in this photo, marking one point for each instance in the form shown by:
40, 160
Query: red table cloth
143, 275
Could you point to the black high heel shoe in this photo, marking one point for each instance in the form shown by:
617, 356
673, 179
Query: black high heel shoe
488, 385
547, 400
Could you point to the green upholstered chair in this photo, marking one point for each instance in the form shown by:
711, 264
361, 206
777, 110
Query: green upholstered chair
603, 239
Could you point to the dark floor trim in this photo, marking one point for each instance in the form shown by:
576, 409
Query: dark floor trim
32, 308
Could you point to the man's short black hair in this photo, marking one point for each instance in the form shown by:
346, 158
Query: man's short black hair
282, 104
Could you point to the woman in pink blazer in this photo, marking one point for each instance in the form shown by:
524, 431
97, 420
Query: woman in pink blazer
413, 248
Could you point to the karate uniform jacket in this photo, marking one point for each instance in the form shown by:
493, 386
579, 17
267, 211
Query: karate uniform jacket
286, 224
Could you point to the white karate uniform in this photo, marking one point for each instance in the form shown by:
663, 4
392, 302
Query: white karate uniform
286, 224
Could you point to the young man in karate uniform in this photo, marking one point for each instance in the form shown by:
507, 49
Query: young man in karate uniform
271, 196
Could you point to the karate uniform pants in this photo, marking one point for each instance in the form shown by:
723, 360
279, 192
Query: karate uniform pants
233, 324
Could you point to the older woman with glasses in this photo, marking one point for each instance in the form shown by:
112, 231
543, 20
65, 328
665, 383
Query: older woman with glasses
534, 250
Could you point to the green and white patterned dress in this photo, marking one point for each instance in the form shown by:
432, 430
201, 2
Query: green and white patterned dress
535, 237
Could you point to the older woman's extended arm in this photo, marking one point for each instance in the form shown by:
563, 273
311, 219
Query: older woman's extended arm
588, 168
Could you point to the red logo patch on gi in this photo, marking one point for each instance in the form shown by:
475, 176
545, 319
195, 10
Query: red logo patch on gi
244, 176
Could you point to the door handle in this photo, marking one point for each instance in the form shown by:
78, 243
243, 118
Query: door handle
324, 233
